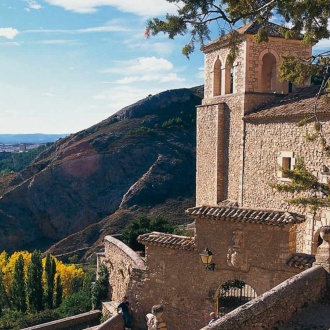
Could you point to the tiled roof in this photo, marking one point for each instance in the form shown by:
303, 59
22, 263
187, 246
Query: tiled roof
274, 30
168, 240
253, 27
295, 105
236, 214
301, 260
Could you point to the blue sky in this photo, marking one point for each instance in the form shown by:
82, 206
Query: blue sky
68, 64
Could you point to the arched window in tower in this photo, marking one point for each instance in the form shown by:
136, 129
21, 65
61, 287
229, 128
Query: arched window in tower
217, 78
230, 79
268, 73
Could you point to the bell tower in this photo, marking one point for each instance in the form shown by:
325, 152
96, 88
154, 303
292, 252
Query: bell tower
230, 92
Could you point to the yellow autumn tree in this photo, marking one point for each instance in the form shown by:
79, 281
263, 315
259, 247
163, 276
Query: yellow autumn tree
8, 267
70, 275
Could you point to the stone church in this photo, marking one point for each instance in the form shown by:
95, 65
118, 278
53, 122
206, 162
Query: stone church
246, 132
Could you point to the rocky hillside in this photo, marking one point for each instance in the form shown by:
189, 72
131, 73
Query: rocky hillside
140, 161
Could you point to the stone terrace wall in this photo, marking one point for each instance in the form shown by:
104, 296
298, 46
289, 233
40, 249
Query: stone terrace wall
73, 322
116, 322
125, 268
278, 305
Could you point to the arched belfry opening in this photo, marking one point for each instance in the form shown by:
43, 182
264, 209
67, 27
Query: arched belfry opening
229, 79
268, 73
232, 294
217, 78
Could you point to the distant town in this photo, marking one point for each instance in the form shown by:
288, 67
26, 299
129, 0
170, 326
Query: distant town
26, 142
19, 147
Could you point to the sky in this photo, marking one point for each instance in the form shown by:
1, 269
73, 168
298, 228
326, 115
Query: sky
65, 65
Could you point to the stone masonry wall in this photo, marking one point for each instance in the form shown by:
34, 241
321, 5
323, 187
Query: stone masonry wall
211, 155
177, 279
220, 131
279, 47
263, 144
239, 69
126, 268
279, 305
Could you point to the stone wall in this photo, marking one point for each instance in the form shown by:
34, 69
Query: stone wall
264, 249
73, 322
264, 142
115, 322
277, 306
211, 171
279, 47
126, 270
247, 68
178, 280
219, 152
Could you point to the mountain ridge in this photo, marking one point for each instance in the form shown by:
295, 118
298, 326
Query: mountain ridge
139, 161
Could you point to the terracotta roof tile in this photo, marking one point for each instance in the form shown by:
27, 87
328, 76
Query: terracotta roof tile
168, 240
299, 104
274, 30
301, 260
237, 214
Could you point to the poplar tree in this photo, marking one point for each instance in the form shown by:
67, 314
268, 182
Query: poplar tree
58, 291
50, 271
18, 293
34, 289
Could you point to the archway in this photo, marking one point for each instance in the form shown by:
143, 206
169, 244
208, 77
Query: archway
268, 73
233, 294
317, 241
217, 78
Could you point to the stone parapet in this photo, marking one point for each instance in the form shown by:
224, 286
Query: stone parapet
278, 305
73, 322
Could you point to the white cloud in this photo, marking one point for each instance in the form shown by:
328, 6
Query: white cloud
159, 78
145, 8
9, 33
32, 4
141, 64
322, 45
114, 28
144, 69
48, 94
10, 43
56, 42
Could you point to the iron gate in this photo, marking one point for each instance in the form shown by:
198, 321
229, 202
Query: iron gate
233, 294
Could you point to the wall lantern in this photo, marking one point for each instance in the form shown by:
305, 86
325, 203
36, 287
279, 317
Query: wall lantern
206, 258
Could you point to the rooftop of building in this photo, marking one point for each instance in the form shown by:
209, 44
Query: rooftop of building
298, 104
168, 240
245, 215
273, 30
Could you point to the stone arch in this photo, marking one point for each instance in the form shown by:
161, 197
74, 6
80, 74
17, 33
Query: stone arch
230, 77
217, 77
232, 294
316, 241
268, 71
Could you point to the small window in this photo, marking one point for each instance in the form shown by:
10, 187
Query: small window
285, 160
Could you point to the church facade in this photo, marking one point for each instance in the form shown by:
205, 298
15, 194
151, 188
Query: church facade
246, 131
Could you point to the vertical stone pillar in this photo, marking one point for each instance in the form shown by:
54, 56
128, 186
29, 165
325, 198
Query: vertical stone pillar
211, 154
322, 256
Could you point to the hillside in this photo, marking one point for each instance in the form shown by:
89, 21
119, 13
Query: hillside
139, 161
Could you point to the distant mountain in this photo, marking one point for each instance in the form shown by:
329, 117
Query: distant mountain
140, 161
37, 138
